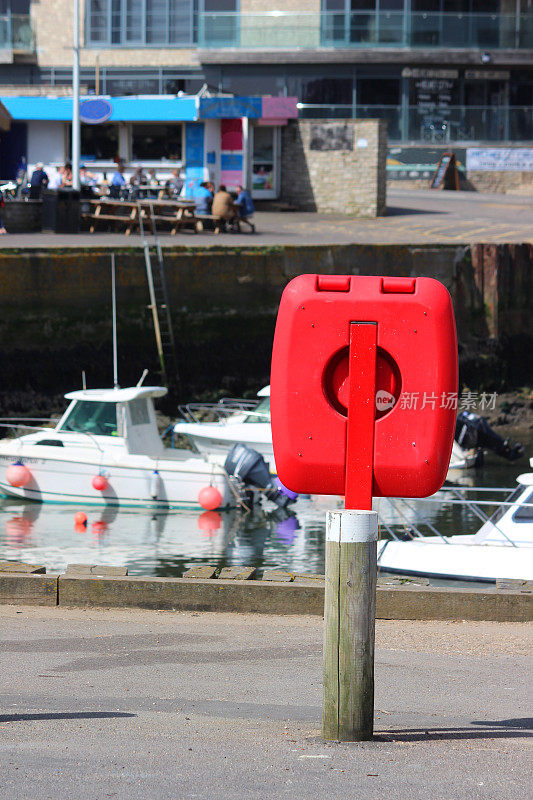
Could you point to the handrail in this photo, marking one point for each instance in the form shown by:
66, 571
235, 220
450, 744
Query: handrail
40, 428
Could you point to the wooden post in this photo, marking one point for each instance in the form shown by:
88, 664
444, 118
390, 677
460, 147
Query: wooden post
349, 616
351, 561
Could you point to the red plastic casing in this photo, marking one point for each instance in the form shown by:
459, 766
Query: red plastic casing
417, 364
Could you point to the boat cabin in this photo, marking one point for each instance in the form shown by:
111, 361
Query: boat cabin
126, 414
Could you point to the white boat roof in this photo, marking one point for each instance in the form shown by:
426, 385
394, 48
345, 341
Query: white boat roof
264, 392
117, 395
526, 479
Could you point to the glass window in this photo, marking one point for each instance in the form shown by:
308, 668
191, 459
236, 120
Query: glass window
90, 416
327, 91
378, 92
98, 21
139, 412
99, 142
261, 412
151, 142
525, 512
138, 22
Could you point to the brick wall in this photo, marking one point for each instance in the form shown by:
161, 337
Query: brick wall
52, 23
347, 180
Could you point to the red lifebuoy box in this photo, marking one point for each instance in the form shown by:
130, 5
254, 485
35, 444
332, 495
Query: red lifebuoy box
364, 386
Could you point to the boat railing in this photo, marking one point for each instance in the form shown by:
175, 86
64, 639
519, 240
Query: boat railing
13, 425
216, 412
419, 526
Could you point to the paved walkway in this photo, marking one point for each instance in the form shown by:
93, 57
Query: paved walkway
413, 217
134, 704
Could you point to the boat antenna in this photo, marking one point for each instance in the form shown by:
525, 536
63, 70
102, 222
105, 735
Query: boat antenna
114, 301
83, 381
141, 379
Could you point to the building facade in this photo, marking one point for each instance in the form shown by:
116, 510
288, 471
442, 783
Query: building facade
444, 74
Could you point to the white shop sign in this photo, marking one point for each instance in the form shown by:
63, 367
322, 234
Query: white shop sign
519, 159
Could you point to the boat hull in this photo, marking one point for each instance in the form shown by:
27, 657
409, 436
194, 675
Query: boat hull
457, 557
174, 486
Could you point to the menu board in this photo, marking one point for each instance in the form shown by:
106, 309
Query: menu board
434, 96
446, 175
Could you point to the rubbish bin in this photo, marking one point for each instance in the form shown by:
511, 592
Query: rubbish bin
61, 210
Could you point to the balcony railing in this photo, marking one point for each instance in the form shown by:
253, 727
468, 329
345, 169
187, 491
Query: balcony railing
16, 33
441, 126
285, 30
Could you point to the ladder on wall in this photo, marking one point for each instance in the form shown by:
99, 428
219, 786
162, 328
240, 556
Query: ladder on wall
157, 287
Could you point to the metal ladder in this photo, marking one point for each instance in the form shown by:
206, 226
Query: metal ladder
164, 335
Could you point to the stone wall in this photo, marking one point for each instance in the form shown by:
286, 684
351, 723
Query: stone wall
497, 182
335, 166
55, 315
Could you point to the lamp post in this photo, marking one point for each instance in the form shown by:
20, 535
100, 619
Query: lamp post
76, 98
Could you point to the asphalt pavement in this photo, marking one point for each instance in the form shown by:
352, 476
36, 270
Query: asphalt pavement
140, 704
413, 217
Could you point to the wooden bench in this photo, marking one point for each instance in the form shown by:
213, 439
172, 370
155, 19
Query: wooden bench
219, 224
103, 205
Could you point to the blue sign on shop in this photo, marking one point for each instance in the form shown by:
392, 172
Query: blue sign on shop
94, 112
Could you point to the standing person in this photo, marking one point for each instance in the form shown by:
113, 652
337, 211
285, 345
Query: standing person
224, 207
2, 204
67, 181
246, 207
38, 182
118, 181
57, 181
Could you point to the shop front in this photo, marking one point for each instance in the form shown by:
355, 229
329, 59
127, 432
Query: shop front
228, 140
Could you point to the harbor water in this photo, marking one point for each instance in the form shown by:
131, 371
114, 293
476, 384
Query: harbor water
167, 543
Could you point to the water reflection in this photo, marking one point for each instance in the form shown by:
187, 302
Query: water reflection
168, 543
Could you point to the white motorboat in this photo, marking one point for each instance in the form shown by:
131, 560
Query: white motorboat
236, 423
106, 450
501, 549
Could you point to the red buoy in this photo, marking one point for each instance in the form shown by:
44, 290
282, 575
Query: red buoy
99, 482
80, 518
99, 529
209, 522
210, 498
18, 474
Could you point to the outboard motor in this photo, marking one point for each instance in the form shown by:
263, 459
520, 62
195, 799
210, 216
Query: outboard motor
473, 431
250, 467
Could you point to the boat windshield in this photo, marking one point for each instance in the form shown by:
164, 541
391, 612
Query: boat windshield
496, 517
90, 416
261, 412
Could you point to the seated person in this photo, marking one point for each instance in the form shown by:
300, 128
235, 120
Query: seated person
224, 207
175, 183
203, 199
246, 206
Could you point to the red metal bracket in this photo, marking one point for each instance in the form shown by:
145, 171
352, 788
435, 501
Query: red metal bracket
361, 415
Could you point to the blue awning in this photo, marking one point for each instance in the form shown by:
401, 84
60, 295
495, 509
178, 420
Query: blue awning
148, 108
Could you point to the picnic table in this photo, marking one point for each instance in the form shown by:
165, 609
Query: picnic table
179, 214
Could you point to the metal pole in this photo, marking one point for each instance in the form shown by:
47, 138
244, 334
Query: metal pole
114, 296
76, 98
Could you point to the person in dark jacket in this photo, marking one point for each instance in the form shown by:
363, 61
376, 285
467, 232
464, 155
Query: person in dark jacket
38, 182
246, 207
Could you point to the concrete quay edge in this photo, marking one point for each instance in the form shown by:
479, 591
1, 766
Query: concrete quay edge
251, 596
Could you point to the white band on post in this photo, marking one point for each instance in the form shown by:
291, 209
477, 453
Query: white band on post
351, 526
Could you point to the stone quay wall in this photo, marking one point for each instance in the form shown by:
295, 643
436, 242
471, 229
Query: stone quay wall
55, 314
335, 166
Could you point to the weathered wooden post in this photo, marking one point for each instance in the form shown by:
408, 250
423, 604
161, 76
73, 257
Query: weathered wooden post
364, 374
349, 617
